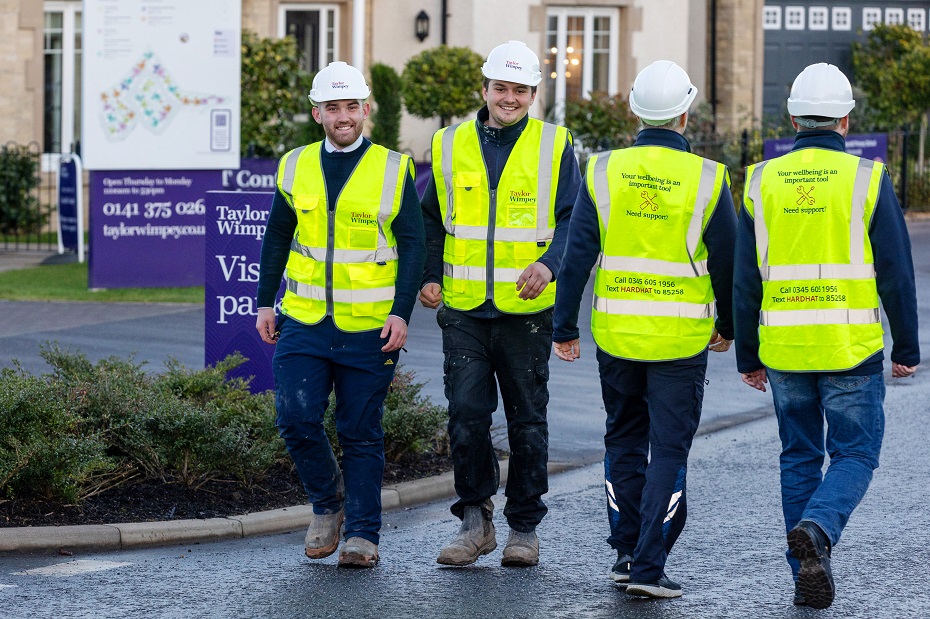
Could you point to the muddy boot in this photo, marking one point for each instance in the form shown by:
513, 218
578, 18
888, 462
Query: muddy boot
476, 537
323, 534
358, 552
522, 550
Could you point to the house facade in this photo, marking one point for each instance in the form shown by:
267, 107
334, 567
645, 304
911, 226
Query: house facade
584, 45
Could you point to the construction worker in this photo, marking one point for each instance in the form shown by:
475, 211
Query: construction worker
346, 224
659, 223
496, 213
821, 239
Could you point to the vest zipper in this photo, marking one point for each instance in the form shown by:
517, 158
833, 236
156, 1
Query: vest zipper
492, 219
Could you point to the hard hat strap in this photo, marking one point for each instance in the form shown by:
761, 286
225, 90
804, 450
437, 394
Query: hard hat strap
810, 123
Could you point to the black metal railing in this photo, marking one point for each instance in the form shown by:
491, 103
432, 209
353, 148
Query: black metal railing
28, 200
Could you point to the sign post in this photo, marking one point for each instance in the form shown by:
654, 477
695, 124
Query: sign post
71, 206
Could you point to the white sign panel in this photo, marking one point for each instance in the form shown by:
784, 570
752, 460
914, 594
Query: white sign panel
161, 84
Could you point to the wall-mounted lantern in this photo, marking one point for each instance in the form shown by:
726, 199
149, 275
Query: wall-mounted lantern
422, 25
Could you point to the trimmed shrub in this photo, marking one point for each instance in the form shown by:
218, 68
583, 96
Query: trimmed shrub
386, 87
443, 81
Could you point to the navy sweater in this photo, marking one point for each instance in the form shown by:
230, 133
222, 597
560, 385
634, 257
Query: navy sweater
894, 275
584, 246
496, 146
407, 228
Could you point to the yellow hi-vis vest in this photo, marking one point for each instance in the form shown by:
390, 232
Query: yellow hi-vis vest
492, 236
653, 299
811, 210
343, 262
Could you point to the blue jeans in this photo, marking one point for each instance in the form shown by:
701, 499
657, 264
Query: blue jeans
653, 410
852, 408
480, 353
309, 362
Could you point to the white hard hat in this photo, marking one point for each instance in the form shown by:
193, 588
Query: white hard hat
336, 81
821, 90
513, 62
662, 91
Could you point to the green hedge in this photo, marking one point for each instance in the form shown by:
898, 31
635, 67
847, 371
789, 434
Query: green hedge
85, 428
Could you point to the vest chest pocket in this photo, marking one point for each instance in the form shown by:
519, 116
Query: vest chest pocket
363, 238
468, 197
521, 216
309, 222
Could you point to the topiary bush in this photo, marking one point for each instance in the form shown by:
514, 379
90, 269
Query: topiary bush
386, 86
443, 81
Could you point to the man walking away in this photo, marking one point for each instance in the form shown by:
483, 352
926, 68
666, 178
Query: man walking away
821, 239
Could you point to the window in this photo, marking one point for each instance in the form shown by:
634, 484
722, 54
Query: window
817, 18
894, 17
794, 18
870, 17
61, 45
314, 26
771, 18
581, 55
917, 19
842, 18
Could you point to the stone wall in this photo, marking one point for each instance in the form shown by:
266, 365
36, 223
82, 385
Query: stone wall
21, 71
739, 62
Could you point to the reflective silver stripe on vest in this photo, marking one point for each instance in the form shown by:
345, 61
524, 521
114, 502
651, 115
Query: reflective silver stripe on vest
345, 255
817, 271
800, 318
446, 165
601, 198
544, 182
340, 295
391, 169
654, 267
857, 225
701, 203
479, 274
654, 308
758, 216
290, 171
511, 235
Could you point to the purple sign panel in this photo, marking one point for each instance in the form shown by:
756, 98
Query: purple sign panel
867, 145
235, 225
147, 227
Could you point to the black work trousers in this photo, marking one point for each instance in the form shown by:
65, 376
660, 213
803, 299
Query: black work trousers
512, 350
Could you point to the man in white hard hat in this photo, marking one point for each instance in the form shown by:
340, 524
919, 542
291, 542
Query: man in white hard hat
659, 223
821, 240
496, 212
346, 231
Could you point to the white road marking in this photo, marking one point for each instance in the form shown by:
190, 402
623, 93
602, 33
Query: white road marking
72, 568
7, 586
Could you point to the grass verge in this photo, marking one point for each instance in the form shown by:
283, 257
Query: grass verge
68, 282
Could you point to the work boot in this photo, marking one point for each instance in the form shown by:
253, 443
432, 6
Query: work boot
358, 552
323, 534
522, 550
476, 537
809, 545
662, 588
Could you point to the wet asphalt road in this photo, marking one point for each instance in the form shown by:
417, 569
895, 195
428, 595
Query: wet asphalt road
729, 559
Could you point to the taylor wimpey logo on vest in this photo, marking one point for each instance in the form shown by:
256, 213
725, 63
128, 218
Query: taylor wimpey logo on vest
339, 85
522, 197
513, 64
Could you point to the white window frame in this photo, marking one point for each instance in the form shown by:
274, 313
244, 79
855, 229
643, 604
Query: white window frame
839, 12
871, 15
69, 11
587, 76
794, 11
771, 17
917, 19
323, 10
818, 11
894, 17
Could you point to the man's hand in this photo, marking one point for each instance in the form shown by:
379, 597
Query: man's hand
718, 343
265, 325
902, 371
567, 351
397, 329
756, 379
431, 295
533, 280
